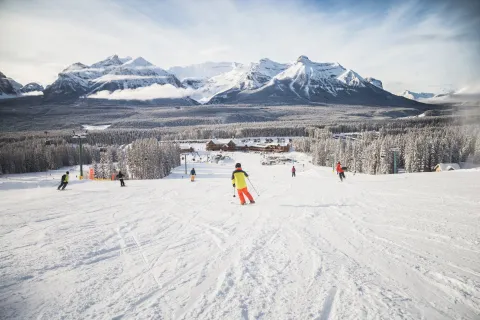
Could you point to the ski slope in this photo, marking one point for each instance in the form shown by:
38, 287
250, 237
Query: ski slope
373, 247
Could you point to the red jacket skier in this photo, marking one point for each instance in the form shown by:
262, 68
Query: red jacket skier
340, 171
293, 171
339, 167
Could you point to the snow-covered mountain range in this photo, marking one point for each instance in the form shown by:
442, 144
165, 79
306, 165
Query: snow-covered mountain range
264, 82
110, 75
11, 88
304, 82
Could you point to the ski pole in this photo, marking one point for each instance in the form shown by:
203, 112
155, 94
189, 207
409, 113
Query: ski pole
253, 186
234, 192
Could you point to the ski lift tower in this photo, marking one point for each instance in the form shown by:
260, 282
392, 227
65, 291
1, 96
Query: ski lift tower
184, 157
80, 136
395, 150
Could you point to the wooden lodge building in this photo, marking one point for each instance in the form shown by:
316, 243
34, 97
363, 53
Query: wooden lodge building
237, 145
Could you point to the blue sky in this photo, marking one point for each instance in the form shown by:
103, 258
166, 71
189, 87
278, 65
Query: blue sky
415, 45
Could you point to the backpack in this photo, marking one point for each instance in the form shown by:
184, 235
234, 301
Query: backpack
63, 177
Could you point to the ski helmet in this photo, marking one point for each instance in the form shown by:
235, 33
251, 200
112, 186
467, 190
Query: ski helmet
238, 165
68, 172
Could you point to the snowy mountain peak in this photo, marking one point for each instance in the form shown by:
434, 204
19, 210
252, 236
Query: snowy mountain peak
108, 62
265, 60
31, 87
75, 67
303, 59
138, 62
377, 83
351, 78
6, 87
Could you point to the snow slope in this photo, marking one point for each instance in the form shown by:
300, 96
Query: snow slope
373, 247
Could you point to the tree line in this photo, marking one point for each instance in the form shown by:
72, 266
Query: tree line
419, 149
423, 142
142, 159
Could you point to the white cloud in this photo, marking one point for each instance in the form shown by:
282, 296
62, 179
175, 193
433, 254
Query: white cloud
155, 91
412, 45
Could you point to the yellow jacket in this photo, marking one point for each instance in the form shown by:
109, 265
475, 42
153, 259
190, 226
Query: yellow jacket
238, 178
66, 178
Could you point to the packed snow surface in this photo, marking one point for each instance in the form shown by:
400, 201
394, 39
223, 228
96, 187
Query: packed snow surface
373, 247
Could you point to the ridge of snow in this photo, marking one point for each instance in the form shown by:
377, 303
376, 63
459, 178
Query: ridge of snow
32, 87
75, 67
377, 83
109, 61
138, 62
204, 70
351, 78
125, 59
243, 77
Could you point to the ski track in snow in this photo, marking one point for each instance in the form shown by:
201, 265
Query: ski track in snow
372, 247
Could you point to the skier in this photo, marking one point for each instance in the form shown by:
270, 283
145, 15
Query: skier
238, 181
120, 176
293, 171
340, 171
64, 181
192, 174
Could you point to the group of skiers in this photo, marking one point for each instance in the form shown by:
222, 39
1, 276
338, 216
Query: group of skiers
238, 180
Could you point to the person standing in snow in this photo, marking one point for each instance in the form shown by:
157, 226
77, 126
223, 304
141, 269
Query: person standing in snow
340, 171
64, 181
293, 171
192, 174
120, 176
238, 181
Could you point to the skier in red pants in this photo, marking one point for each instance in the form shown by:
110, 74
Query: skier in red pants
238, 181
